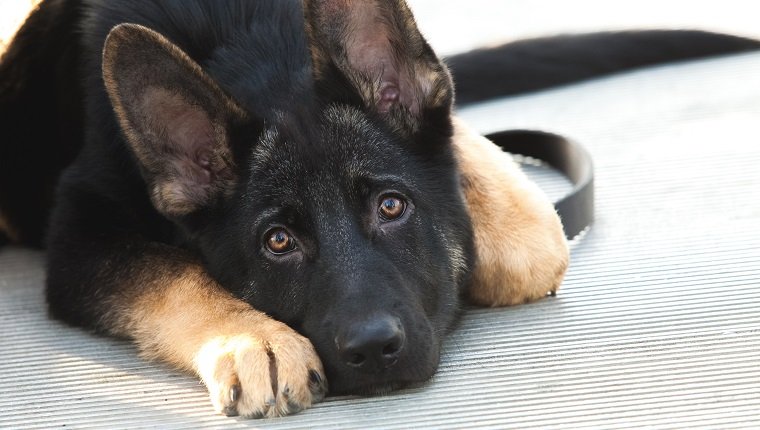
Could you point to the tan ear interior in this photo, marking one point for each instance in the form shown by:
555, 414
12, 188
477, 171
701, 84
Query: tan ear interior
379, 48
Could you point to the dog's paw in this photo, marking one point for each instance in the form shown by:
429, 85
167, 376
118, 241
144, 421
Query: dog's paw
270, 372
522, 254
514, 272
521, 249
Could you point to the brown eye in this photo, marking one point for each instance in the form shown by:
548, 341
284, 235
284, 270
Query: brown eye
391, 207
279, 241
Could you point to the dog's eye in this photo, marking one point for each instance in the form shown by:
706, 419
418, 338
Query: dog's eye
391, 207
279, 241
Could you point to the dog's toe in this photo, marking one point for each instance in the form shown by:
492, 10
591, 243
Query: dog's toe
296, 364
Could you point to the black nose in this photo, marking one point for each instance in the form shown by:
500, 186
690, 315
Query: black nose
373, 344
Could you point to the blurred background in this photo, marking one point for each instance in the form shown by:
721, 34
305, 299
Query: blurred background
454, 26
12, 14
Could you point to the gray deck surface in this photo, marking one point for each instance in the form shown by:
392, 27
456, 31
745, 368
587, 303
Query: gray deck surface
657, 324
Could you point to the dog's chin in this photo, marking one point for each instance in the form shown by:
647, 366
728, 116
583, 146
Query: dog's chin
345, 385
374, 389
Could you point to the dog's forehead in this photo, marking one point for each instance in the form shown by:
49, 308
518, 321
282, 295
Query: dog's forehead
335, 146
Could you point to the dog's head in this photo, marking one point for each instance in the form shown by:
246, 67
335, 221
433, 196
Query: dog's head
340, 212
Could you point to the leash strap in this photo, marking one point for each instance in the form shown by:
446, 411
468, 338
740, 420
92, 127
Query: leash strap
577, 208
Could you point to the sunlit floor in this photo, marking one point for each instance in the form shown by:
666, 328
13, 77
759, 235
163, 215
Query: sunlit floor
656, 325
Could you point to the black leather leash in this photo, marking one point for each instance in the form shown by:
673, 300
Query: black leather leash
577, 208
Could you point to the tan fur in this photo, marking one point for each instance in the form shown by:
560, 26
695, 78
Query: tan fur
193, 324
5, 228
521, 249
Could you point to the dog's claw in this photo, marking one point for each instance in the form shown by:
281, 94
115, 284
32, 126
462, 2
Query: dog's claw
314, 377
234, 393
316, 383
230, 408
294, 407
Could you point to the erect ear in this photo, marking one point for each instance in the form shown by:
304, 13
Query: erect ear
174, 116
378, 48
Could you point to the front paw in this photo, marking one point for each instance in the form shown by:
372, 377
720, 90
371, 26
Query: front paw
511, 273
269, 372
521, 257
521, 249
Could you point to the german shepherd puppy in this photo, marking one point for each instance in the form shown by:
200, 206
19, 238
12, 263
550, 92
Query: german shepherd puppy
268, 194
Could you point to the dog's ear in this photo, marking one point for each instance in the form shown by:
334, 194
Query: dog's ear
175, 118
376, 45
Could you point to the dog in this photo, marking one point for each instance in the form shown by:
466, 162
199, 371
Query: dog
272, 195
274, 202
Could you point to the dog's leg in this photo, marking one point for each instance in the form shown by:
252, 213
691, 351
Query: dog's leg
521, 250
161, 298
